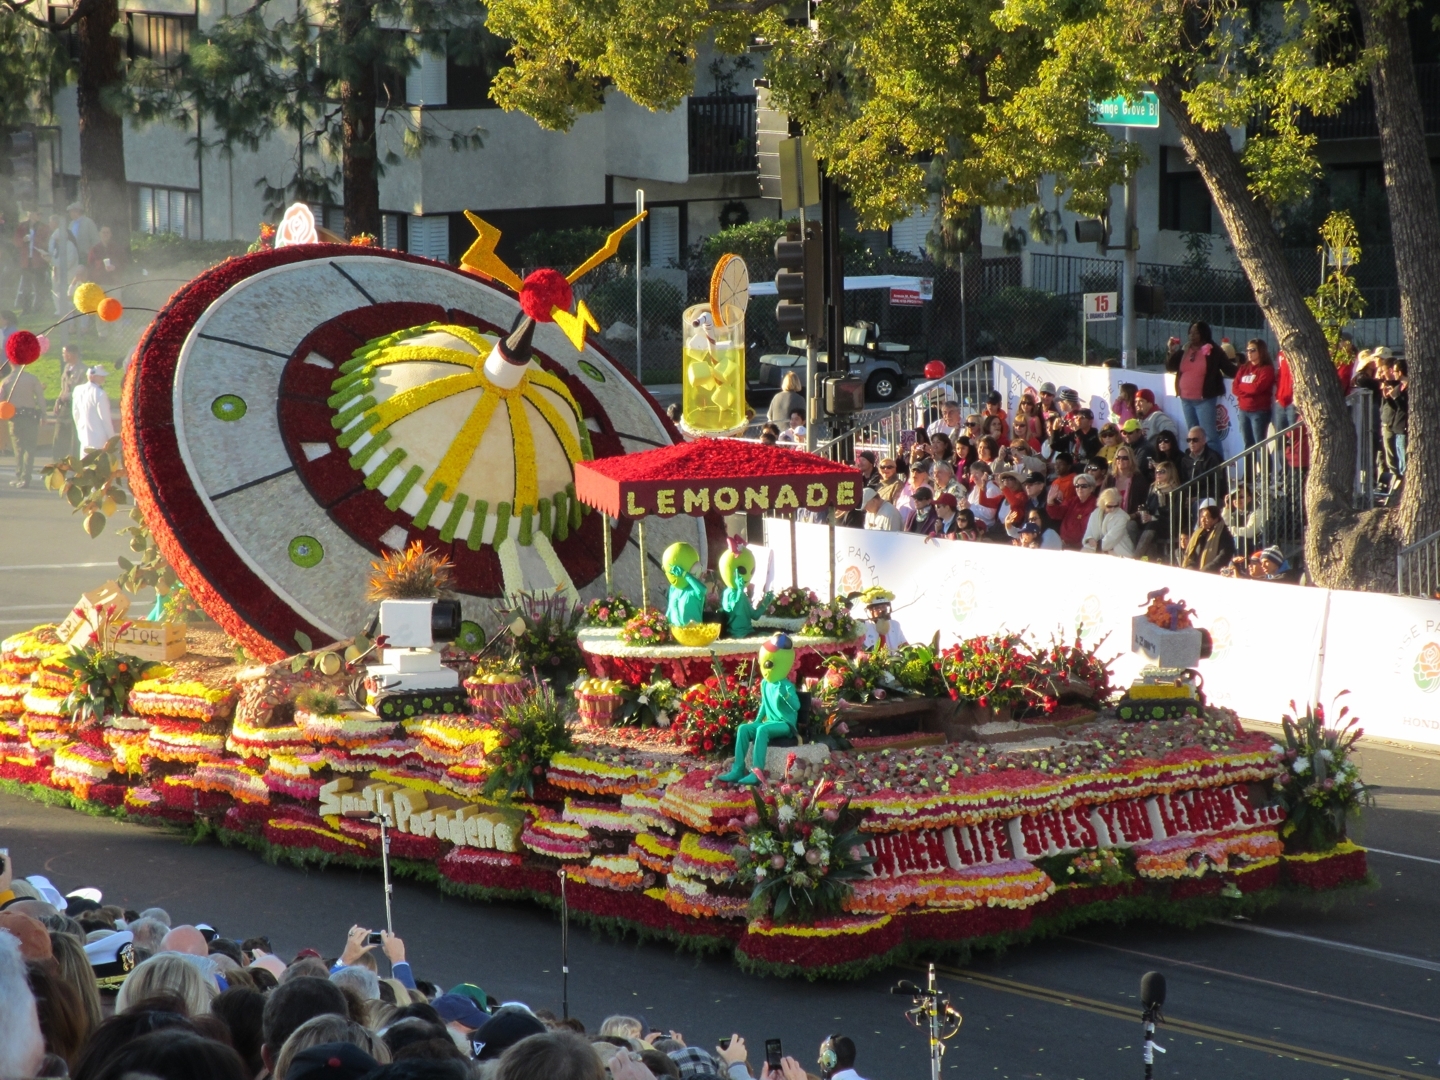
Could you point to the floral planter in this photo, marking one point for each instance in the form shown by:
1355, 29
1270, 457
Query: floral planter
599, 709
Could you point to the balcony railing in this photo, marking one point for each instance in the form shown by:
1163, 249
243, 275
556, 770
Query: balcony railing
1356, 119
722, 134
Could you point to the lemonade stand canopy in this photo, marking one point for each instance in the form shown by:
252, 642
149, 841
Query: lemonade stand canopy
728, 476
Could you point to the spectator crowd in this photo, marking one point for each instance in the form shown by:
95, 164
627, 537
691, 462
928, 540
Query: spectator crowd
1134, 487
98, 992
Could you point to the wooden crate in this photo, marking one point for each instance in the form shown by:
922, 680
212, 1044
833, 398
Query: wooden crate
152, 640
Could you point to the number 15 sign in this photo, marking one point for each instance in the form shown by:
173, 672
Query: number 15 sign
1101, 306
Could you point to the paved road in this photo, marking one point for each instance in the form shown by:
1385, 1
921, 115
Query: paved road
1357, 983
1359, 980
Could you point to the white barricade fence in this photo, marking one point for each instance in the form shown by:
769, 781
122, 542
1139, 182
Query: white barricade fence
1385, 650
1274, 644
1098, 387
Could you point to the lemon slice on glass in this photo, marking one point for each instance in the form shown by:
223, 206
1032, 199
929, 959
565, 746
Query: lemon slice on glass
729, 287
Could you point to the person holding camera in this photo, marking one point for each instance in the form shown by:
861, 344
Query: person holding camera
358, 945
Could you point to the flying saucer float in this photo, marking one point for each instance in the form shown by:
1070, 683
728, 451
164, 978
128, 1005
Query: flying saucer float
291, 414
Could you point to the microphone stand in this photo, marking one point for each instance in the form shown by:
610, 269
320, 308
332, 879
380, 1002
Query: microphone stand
564, 949
932, 1005
1149, 1018
382, 819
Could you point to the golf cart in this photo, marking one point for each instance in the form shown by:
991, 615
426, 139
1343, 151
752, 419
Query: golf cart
879, 363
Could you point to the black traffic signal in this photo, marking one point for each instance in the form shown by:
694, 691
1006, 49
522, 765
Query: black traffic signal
800, 282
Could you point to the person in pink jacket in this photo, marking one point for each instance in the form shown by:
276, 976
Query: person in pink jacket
1254, 388
1284, 395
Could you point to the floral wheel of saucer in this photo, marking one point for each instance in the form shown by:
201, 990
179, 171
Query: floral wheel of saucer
292, 414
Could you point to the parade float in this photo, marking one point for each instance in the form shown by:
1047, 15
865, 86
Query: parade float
414, 499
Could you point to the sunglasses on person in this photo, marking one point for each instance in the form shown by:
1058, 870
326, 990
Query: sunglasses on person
1192, 440
1123, 457
887, 468
1094, 468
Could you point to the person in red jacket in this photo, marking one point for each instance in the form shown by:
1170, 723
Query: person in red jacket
1284, 395
1254, 388
1073, 515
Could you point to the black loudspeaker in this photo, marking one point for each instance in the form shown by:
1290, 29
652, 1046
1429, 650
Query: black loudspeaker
1152, 989
445, 621
1089, 231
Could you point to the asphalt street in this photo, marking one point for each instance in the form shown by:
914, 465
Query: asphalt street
1345, 989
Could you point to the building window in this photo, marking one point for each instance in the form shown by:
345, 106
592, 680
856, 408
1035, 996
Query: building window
1184, 199
429, 236
663, 245
392, 231
161, 39
425, 84
168, 210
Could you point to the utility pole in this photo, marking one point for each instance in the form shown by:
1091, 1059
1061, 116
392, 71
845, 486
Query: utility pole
1128, 355
639, 259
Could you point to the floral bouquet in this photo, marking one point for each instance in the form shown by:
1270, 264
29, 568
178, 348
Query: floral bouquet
1090, 866
831, 620
917, 669
992, 671
799, 856
649, 627
530, 733
609, 611
1169, 614
542, 634
1321, 786
1069, 670
711, 711
793, 603
865, 678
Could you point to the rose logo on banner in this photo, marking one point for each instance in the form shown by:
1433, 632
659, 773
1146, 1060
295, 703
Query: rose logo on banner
1426, 668
851, 579
964, 601
1222, 418
1221, 637
1089, 616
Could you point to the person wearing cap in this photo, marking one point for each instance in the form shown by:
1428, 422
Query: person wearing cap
90, 409
1033, 485
1200, 369
1132, 437
1254, 388
1027, 535
919, 478
1072, 517
922, 521
502, 1031
462, 1017
1109, 442
1152, 418
1210, 547
994, 410
1087, 439
1271, 565
23, 390
947, 518
1110, 528
879, 514
1049, 539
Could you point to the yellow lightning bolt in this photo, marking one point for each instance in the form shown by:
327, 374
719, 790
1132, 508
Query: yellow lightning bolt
481, 256
612, 245
574, 325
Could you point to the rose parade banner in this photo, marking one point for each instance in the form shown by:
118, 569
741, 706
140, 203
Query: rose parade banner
1099, 386
1273, 644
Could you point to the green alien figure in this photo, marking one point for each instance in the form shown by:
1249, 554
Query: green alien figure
778, 714
737, 570
686, 605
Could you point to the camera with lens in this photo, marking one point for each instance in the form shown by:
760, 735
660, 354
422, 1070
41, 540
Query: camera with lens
411, 679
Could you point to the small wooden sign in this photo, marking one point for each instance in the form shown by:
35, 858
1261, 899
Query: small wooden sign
85, 618
152, 640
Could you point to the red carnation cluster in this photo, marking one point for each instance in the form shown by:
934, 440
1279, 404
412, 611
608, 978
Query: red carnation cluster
22, 348
543, 292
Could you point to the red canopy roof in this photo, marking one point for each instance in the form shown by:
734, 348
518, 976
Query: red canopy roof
731, 476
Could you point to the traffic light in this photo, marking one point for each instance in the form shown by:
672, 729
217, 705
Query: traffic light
800, 282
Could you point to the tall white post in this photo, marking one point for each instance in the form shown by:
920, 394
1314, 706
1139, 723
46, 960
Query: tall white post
639, 260
1128, 346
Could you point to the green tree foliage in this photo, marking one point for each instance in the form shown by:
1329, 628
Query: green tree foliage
30, 67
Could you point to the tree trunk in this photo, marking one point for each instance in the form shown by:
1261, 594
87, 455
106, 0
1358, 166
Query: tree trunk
1342, 549
1415, 231
357, 117
102, 132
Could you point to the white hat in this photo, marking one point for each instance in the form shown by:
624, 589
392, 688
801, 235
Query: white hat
1208, 504
97, 370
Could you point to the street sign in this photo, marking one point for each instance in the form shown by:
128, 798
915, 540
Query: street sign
1102, 306
1118, 112
912, 296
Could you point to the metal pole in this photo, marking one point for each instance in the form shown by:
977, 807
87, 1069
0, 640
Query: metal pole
1128, 357
794, 556
811, 412
937, 1045
644, 569
609, 559
1084, 337
385, 870
639, 259
564, 949
833, 511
